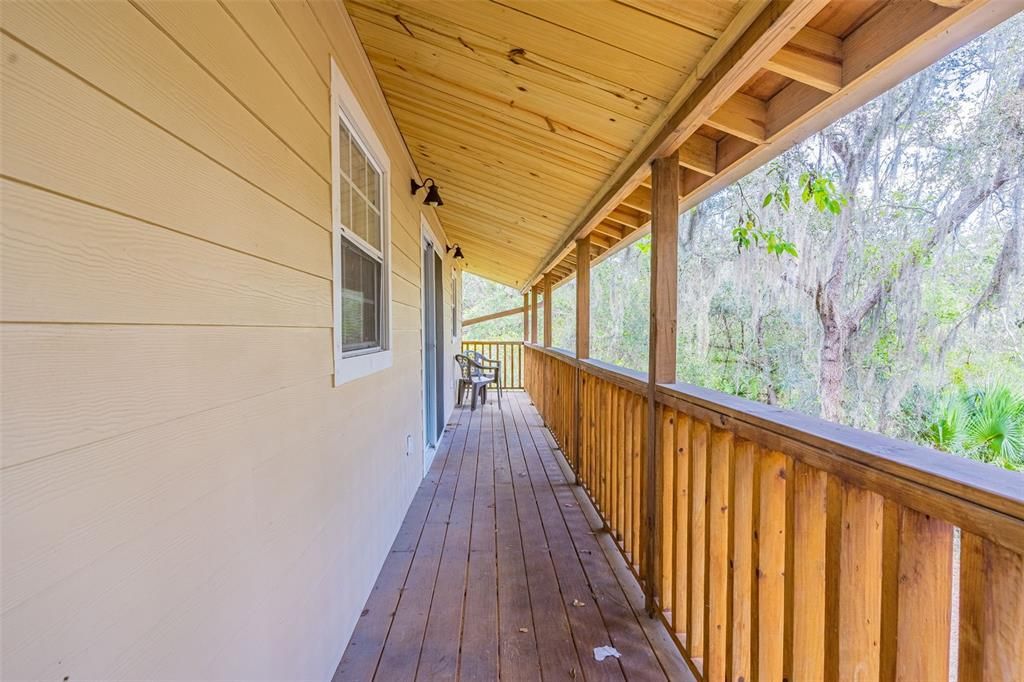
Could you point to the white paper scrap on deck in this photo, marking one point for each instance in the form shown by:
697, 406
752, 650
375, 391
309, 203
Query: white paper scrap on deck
603, 652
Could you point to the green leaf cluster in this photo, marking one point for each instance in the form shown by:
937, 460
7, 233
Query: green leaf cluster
982, 423
822, 191
748, 232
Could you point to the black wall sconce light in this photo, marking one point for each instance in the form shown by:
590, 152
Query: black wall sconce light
433, 197
458, 251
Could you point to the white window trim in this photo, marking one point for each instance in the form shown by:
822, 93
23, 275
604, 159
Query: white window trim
344, 104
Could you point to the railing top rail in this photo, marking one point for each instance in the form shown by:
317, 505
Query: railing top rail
978, 483
561, 354
982, 498
494, 343
629, 379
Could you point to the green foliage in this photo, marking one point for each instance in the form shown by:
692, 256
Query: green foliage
822, 191
982, 423
748, 231
813, 187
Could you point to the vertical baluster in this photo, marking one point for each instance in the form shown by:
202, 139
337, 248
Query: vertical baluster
666, 503
699, 433
588, 416
925, 584
716, 661
816, 518
860, 584
603, 431
746, 509
681, 524
991, 611
639, 428
640, 485
613, 465
627, 473
771, 565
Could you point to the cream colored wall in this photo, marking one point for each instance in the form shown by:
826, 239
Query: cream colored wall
184, 493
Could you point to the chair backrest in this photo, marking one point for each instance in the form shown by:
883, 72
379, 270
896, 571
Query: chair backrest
466, 368
477, 356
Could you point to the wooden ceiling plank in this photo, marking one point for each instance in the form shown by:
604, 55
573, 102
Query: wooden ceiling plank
526, 35
455, 135
519, 158
564, 180
393, 78
743, 116
520, 163
710, 17
531, 69
406, 93
458, 196
550, 109
630, 29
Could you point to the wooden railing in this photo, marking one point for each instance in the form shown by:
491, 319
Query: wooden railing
789, 548
510, 353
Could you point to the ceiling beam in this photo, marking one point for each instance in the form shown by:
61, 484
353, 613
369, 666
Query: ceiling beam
699, 153
743, 116
640, 199
613, 231
492, 316
814, 58
627, 217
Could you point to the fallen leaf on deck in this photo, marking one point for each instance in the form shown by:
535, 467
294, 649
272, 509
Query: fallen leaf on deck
524, 629
577, 602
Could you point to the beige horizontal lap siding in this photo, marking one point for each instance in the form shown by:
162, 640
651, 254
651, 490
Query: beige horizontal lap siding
185, 493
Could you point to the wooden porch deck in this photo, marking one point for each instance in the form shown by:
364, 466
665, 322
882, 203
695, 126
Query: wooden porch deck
496, 549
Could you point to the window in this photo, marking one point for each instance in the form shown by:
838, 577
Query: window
360, 239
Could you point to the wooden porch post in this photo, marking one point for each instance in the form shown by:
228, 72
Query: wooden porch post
662, 353
583, 298
526, 317
533, 315
547, 310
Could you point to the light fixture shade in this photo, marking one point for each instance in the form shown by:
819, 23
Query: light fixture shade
458, 253
433, 197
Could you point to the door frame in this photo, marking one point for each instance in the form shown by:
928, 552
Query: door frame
427, 236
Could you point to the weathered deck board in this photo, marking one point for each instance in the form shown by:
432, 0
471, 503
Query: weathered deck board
495, 543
